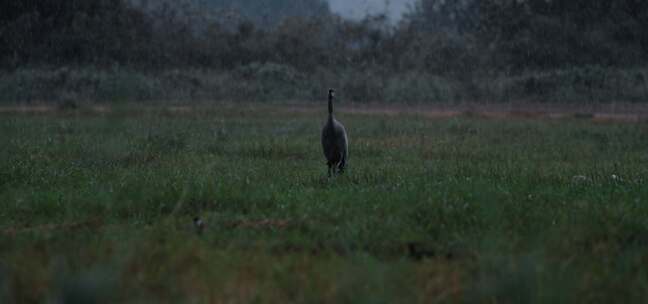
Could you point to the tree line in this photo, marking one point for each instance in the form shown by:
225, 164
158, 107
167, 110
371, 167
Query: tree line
441, 37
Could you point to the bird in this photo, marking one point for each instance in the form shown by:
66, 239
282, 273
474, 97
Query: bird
199, 225
334, 141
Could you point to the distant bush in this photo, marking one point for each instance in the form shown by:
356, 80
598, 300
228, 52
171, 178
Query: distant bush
419, 87
272, 82
60, 84
586, 84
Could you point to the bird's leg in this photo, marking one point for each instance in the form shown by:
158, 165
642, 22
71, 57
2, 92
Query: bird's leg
342, 163
329, 169
341, 166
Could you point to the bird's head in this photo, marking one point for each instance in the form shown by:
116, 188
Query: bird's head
331, 93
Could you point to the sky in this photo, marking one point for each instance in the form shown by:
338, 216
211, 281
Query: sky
356, 9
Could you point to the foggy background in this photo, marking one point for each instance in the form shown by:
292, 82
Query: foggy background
397, 51
358, 9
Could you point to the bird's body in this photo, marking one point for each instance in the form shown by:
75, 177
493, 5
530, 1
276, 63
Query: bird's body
334, 141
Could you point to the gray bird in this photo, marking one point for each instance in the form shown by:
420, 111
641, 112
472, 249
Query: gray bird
334, 141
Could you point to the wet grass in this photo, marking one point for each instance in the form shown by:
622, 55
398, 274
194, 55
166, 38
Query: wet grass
463, 209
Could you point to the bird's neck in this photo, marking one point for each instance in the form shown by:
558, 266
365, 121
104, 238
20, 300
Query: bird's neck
330, 106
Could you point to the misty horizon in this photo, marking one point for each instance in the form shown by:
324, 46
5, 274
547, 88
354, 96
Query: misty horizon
357, 9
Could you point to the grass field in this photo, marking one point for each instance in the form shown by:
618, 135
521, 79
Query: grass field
99, 207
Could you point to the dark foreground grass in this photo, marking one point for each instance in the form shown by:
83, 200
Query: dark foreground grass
99, 208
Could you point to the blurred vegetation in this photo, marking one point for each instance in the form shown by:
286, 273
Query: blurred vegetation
579, 50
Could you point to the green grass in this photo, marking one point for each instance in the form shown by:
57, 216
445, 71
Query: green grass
99, 207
